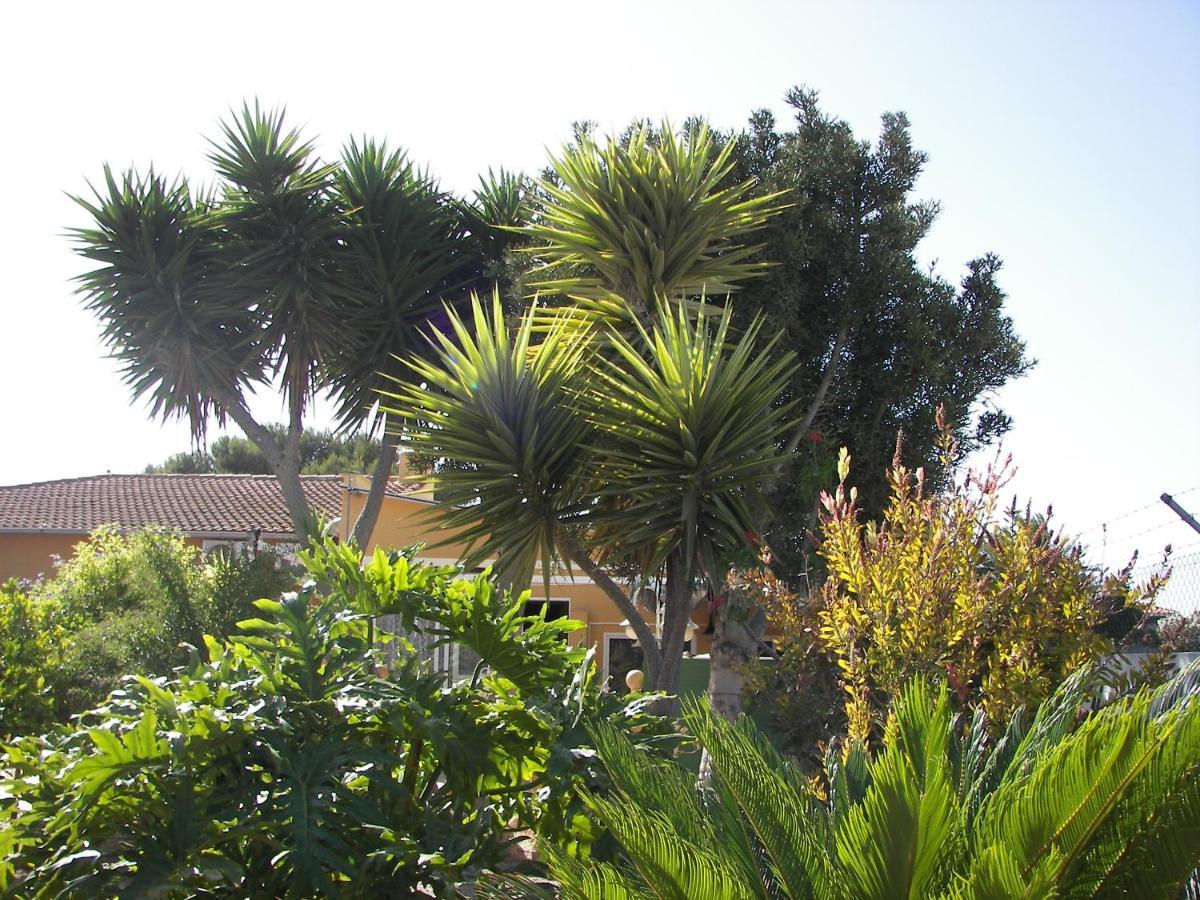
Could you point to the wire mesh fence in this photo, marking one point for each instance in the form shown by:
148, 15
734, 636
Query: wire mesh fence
1182, 591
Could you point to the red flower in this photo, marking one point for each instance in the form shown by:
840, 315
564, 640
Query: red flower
815, 436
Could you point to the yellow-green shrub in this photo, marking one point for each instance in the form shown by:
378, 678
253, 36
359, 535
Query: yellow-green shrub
1001, 607
123, 604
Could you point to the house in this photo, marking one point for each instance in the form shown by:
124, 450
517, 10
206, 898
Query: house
42, 521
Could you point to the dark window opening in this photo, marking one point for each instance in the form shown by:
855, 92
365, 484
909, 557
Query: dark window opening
555, 609
624, 655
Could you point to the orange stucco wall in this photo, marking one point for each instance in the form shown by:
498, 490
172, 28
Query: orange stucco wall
28, 555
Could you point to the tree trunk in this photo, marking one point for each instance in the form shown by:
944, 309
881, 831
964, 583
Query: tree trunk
818, 399
676, 614
365, 525
288, 475
738, 630
284, 460
505, 578
571, 549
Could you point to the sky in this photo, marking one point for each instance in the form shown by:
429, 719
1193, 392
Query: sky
1065, 137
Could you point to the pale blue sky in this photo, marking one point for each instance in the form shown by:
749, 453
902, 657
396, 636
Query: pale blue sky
1065, 137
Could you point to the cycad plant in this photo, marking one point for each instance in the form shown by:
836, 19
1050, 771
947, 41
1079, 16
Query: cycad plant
1067, 803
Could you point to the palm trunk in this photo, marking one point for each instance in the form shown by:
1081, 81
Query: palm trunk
739, 626
365, 526
738, 630
571, 549
505, 579
677, 612
284, 461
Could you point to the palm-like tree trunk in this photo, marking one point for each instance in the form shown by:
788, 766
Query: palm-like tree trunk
284, 460
675, 618
651, 649
365, 525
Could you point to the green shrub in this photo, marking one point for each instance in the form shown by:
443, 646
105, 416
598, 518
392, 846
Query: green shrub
32, 644
138, 603
313, 755
1069, 803
152, 571
233, 580
946, 587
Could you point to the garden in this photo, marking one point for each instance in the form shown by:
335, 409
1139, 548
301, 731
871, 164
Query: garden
705, 361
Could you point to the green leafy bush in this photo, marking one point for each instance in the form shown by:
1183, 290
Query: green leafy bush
1068, 803
314, 755
232, 581
32, 644
122, 604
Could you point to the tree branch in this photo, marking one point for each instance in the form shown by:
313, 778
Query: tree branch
576, 554
284, 460
259, 435
295, 428
379, 482
818, 400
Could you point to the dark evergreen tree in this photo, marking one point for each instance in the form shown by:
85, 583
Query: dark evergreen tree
882, 341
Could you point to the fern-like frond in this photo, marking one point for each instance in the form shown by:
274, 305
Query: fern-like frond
669, 865
1181, 690
789, 825
593, 880
1151, 842
906, 835
1068, 811
651, 783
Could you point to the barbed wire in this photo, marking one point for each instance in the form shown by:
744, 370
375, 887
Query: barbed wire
1133, 512
1137, 534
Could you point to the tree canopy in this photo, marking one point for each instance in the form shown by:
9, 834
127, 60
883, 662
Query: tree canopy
628, 430
320, 277
881, 340
294, 273
322, 452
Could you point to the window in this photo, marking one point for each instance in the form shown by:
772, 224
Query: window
555, 609
465, 661
621, 656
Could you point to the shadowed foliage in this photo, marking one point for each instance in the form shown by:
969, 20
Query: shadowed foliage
1067, 803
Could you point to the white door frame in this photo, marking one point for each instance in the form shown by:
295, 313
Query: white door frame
608, 638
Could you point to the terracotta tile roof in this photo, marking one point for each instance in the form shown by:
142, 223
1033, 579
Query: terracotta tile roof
194, 504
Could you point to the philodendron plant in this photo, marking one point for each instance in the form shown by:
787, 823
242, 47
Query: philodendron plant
304, 760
